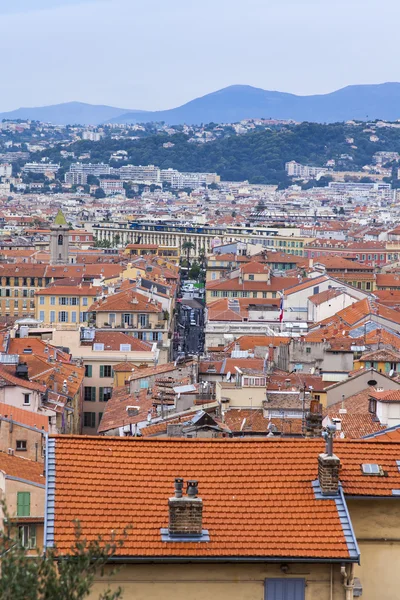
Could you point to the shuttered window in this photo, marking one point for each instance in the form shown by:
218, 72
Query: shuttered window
285, 589
23, 504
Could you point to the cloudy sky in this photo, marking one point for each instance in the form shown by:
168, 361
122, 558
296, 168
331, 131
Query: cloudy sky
157, 54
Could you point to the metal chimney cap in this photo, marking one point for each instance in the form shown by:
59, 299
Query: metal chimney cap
192, 488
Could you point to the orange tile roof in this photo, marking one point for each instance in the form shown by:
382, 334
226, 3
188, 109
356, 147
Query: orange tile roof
115, 411
390, 280
126, 301
25, 417
307, 283
275, 284
386, 396
113, 339
8, 377
250, 342
254, 508
13, 466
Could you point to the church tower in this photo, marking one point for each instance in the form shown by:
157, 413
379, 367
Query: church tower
59, 240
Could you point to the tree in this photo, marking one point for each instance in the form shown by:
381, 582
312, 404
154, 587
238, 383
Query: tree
92, 180
194, 271
187, 246
99, 193
43, 577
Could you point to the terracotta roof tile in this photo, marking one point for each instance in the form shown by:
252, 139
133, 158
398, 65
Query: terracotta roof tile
108, 483
25, 417
22, 468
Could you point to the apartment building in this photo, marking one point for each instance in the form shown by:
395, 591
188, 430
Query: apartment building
112, 186
100, 352
296, 170
64, 304
43, 168
133, 313
95, 169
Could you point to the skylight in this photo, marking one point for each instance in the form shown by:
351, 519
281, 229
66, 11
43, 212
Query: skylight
371, 469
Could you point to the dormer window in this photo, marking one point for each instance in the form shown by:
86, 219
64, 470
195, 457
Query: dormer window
372, 406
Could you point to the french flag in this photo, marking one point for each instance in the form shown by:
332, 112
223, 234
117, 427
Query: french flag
281, 310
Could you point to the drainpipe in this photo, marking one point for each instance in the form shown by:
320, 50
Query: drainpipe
348, 581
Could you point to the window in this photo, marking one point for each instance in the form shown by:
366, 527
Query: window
52, 300
60, 240
371, 469
63, 316
89, 419
52, 316
106, 371
88, 370
73, 301
251, 277
112, 318
316, 289
317, 397
372, 406
285, 589
89, 393
23, 504
143, 320
127, 318
264, 294
73, 316
254, 294
308, 350
27, 399
27, 536
105, 394
84, 301
63, 301
41, 300
41, 315
21, 445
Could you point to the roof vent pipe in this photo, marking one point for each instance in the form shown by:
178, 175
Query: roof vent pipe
178, 487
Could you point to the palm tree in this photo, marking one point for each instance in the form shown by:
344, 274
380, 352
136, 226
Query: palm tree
188, 246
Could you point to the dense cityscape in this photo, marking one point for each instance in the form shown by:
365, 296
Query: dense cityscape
199, 301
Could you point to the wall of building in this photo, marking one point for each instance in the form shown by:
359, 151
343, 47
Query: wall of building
354, 385
376, 524
11, 433
239, 397
222, 581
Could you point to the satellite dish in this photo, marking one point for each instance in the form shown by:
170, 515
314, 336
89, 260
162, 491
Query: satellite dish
228, 376
391, 372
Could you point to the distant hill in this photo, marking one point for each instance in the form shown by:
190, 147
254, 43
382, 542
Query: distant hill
69, 113
234, 103
237, 102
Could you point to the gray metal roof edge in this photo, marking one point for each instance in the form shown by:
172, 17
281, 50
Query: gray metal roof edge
344, 517
347, 525
49, 515
21, 480
381, 432
230, 559
31, 427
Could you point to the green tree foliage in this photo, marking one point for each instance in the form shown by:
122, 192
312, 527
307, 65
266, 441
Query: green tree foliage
259, 156
194, 271
99, 193
43, 577
187, 247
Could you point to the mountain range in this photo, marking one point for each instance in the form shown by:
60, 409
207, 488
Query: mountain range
233, 104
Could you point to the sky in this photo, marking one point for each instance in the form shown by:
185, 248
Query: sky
158, 54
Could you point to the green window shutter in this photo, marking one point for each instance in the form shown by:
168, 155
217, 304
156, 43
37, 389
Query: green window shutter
101, 370
23, 504
112, 372
88, 370
93, 394
101, 394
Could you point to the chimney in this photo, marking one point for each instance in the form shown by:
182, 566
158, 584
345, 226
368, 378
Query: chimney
314, 420
329, 466
185, 512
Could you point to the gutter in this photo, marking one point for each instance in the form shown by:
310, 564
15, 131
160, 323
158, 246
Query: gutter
229, 559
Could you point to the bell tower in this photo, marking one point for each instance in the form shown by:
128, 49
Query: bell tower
59, 240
